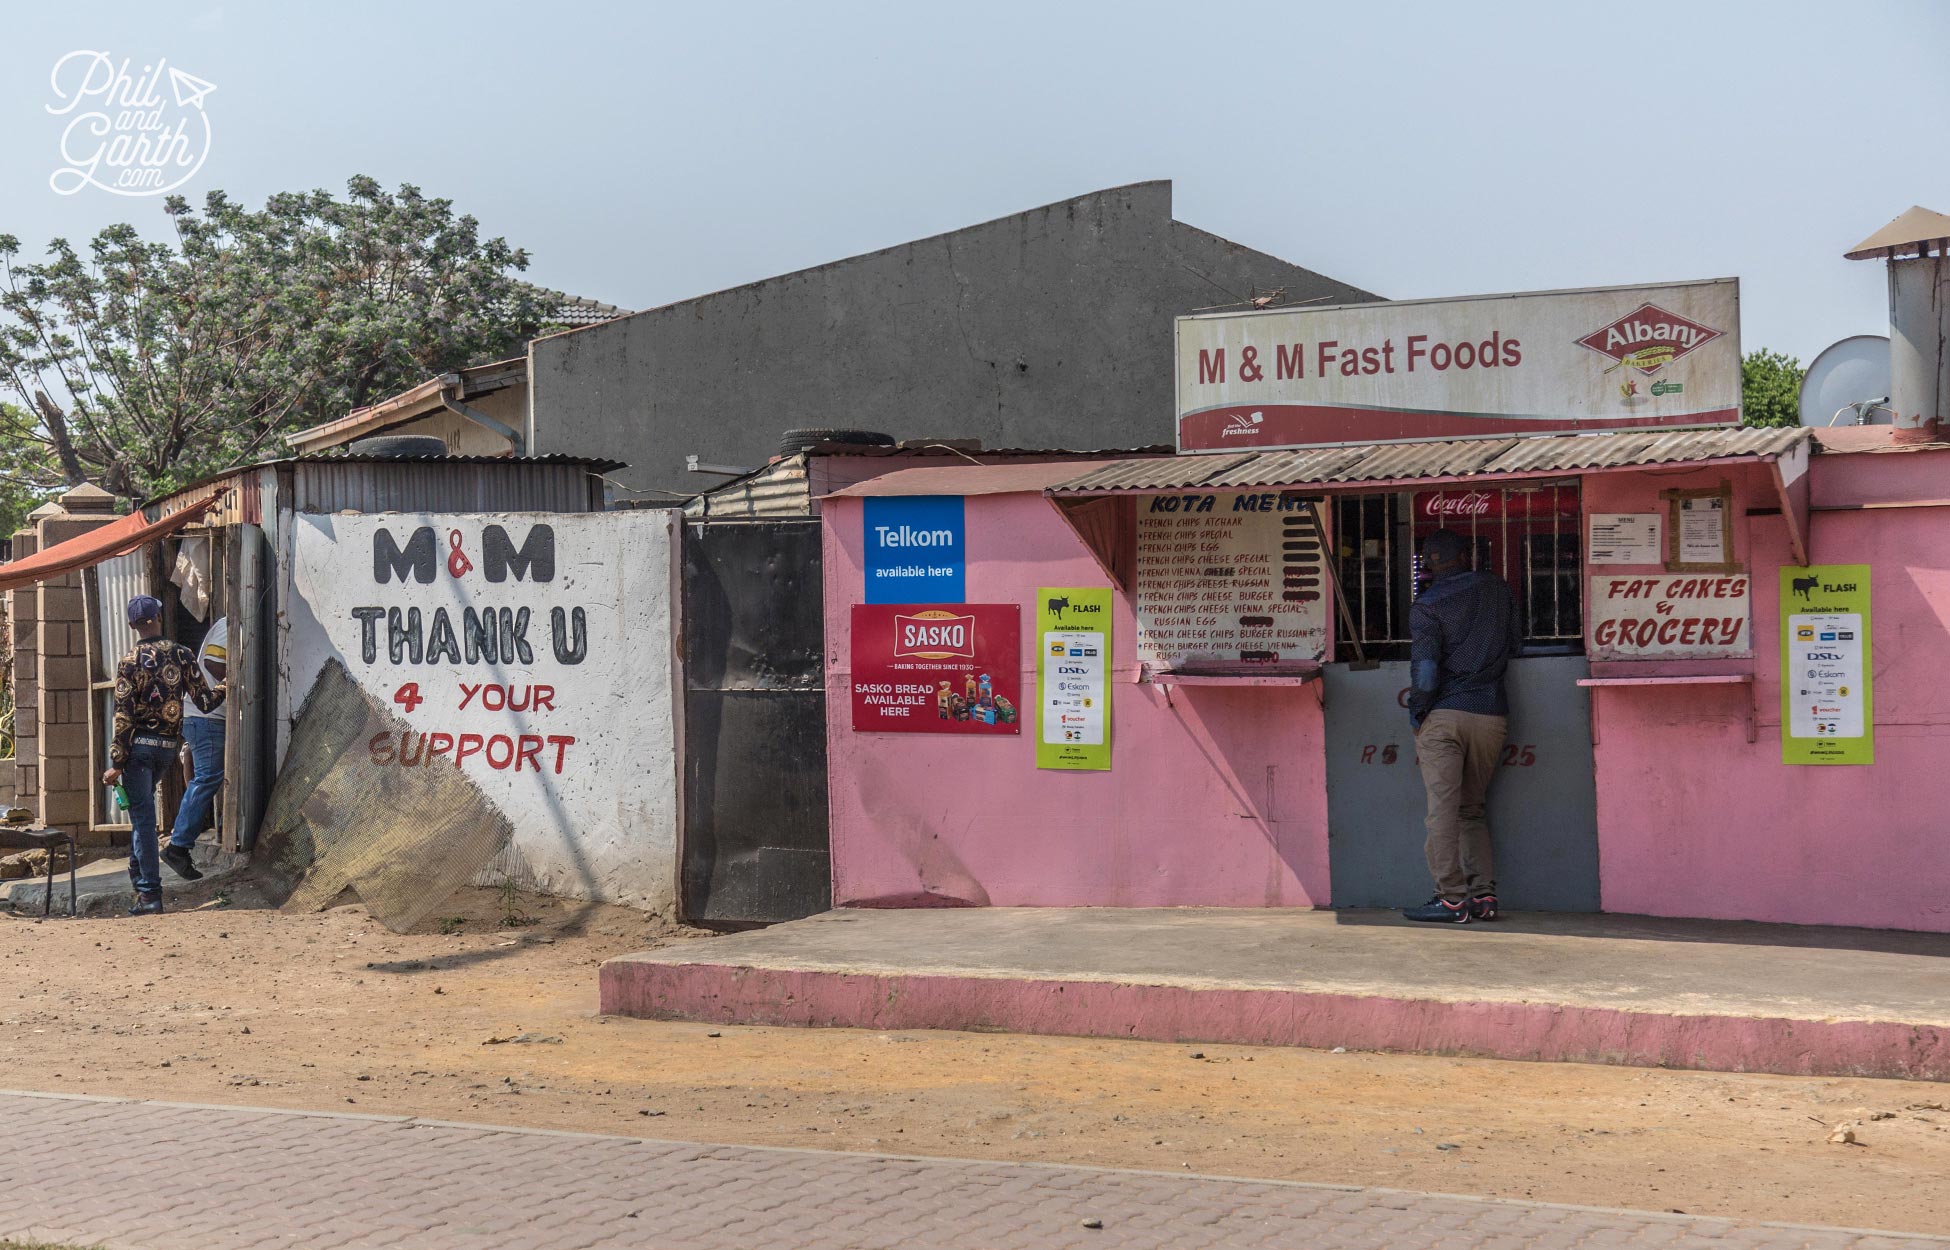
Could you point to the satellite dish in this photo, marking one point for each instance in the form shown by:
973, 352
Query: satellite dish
1848, 383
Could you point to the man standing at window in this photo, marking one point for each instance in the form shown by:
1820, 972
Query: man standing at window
203, 735
1464, 632
150, 684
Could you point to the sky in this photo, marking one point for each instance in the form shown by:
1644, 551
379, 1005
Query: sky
644, 153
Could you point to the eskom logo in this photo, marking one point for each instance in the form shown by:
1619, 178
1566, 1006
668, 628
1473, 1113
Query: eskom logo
1648, 339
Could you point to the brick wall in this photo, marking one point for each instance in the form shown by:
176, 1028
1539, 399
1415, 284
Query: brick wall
23, 619
65, 777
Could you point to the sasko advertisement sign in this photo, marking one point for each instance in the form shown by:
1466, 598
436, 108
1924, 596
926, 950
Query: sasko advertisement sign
1604, 358
937, 668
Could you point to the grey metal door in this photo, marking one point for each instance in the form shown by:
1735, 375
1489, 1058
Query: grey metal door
756, 840
1543, 804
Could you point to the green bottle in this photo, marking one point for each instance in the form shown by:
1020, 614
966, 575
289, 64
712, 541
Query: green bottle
121, 797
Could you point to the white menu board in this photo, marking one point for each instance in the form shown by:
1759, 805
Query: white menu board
1625, 538
1703, 530
1229, 580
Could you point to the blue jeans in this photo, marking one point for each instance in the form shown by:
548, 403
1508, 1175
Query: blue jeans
140, 775
204, 734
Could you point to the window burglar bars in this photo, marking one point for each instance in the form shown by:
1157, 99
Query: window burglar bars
1530, 535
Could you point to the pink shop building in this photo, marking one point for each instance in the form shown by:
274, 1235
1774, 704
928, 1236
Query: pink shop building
1179, 680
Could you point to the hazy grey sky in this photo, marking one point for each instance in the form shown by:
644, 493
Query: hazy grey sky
644, 153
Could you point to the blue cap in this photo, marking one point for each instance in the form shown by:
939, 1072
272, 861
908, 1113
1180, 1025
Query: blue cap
144, 608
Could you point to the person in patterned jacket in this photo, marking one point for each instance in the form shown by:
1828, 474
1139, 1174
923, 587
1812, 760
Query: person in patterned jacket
150, 685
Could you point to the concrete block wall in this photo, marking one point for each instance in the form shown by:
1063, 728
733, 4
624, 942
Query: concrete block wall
23, 620
64, 781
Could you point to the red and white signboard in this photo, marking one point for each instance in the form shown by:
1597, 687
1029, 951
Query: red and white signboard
1614, 357
1670, 616
937, 668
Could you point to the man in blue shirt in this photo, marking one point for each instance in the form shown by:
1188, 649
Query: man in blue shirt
1464, 631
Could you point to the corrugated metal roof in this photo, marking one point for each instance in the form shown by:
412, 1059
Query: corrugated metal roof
973, 479
446, 484
1469, 457
425, 483
587, 462
959, 448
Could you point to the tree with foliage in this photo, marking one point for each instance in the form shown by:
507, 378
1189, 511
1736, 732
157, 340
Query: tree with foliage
142, 366
1770, 386
28, 475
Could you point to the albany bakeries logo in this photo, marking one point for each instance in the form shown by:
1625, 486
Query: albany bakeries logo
1648, 339
934, 635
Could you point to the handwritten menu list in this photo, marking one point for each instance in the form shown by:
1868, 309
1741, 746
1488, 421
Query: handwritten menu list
1229, 581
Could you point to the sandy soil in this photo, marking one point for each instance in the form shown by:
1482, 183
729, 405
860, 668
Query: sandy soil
229, 1002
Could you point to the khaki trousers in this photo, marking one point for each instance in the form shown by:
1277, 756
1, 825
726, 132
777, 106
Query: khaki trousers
1459, 753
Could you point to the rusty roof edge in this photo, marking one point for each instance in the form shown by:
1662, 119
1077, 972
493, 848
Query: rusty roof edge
1351, 485
1513, 457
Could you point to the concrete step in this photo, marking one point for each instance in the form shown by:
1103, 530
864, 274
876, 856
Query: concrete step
102, 888
1726, 996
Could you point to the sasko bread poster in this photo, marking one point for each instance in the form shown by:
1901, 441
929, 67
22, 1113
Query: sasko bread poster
953, 668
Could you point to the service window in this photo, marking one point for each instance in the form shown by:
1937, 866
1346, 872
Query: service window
1530, 535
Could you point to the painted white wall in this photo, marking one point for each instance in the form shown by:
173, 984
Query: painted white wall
593, 818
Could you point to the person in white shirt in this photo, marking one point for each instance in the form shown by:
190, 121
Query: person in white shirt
203, 736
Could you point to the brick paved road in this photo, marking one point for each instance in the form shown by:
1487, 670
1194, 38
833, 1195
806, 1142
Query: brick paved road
162, 1176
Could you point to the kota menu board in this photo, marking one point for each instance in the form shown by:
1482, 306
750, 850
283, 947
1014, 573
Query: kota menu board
1229, 580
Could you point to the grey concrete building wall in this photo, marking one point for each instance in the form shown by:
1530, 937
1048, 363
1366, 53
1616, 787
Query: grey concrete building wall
1050, 328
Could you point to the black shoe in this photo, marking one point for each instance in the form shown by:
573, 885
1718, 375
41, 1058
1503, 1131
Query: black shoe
1439, 910
1483, 907
147, 905
178, 859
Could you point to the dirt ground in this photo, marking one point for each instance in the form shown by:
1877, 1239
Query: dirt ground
229, 1002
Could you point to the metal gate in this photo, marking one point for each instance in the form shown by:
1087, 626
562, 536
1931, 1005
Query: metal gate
1543, 804
755, 837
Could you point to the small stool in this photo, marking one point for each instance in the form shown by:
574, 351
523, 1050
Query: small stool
13, 837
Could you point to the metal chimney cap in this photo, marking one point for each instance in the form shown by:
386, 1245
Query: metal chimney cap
1909, 235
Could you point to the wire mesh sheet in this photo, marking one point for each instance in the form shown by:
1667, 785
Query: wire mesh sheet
403, 838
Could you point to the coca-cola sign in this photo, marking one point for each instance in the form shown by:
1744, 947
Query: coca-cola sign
1449, 507
1445, 506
